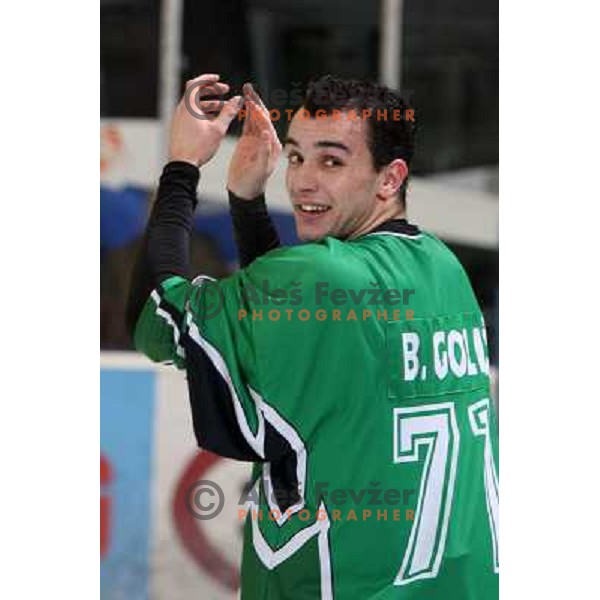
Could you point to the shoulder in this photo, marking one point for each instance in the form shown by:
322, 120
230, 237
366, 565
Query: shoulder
441, 252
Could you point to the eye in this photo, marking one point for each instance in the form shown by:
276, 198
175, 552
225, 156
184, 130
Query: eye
294, 158
332, 161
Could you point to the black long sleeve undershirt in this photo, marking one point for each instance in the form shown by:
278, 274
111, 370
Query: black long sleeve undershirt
166, 245
164, 253
253, 228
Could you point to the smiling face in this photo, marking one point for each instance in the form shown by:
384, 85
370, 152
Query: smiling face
333, 185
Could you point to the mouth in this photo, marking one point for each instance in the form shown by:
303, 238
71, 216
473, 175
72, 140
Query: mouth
312, 210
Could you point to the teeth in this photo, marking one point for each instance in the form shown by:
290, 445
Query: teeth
313, 208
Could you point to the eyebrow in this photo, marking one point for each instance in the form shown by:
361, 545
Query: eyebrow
320, 144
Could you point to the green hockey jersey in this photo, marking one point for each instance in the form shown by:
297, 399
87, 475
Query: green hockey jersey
354, 374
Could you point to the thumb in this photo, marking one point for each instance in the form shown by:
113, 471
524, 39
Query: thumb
229, 111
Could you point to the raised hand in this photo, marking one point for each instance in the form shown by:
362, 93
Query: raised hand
198, 125
257, 151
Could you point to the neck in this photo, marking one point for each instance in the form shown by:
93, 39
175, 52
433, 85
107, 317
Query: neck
393, 212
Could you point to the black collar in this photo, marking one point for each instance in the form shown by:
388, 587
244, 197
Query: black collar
397, 226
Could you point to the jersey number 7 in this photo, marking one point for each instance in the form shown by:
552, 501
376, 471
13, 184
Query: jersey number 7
434, 428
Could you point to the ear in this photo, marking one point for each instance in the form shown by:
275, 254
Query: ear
391, 178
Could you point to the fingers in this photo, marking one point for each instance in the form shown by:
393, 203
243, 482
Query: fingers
255, 118
252, 94
213, 89
230, 110
258, 124
267, 143
263, 116
270, 151
209, 84
206, 78
258, 109
260, 121
247, 89
198, 89
210, 107
255, 121
249, 120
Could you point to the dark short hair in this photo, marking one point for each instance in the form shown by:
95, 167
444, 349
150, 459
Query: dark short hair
387, 139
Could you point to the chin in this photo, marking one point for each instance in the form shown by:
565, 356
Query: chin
313, 232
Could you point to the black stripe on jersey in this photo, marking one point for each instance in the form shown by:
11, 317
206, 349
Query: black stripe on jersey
213, 414
216, 426
283, 468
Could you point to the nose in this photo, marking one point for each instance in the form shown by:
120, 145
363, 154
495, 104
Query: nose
302, 180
